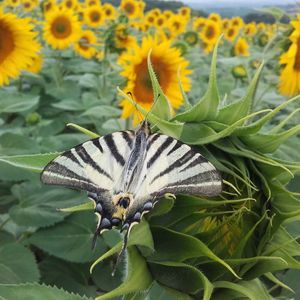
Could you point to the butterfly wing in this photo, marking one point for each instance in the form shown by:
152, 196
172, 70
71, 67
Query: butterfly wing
94, 166
173, 167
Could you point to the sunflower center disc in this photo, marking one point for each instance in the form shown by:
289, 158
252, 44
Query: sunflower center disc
6, 42
61, 28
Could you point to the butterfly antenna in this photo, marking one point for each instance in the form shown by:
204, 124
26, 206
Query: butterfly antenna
135, 106
121, 254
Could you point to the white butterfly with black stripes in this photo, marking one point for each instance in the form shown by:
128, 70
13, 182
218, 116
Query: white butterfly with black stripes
126, 172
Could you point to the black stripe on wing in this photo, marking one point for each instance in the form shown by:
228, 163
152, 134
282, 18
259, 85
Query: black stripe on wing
113, 149
85, 156
159, 151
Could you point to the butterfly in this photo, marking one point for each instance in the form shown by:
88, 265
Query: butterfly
126, 172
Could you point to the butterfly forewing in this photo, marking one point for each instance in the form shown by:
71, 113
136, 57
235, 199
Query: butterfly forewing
94, 166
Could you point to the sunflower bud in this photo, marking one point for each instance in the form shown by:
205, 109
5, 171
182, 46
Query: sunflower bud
239, 72
33, 118
191, 38
263, 40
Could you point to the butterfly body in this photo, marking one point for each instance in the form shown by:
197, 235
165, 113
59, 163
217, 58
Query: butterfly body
125, 173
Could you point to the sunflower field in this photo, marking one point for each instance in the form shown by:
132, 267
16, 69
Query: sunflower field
75, 70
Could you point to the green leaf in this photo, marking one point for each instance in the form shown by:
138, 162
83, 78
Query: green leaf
102, 111
174, 246
207, 107
85, 206
74, 279
251, 289
17, 102
38, 205
174, 274
34, 162
241, 108
71, 239
83, 130
17, 265
35, 292
140, 236
161, 107
269, 143
137, 279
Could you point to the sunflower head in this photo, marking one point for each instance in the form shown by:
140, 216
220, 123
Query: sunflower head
210, 32
94, 16
109, 11
176, 25
36, 65
166, 61
239, 72
241, 47
18, 46
191, 38
168, 14
231, 33
250, 29
85, 45
61, 29
185, 12
199, 23
131, 8
237, 21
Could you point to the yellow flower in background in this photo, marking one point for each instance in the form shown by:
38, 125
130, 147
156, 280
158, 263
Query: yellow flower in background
49, 5
156, 11
62, 29
131, 8
185, 12
237, 21
18, 46
70, 4
86, 44
93, 16
225, 24
166, 62
160, 21
13, 3
250, 29
109, 11
122, 39
241, 47
199, 23
210, 34
215, 17
231, 33
29, 5
168, 14
290, 76
36, 65
176, 25
93, 2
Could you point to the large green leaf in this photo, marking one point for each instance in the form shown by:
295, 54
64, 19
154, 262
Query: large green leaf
34, 162
17, 265
35, 292
71, 239
39, 205
17, 102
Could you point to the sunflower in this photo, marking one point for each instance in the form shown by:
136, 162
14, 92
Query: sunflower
176, 25
225, 24
231, 33
61, 29
185, 12
84, 46
131, 8
290, 76
199, 23
29, 5
241, 47
160, 21
250, 29
166, 61
237, 21
210, 33
94, 16
122, 39
109, 11
150, 18
70, 4
215, 17
92, 2
36, 65
168, 14
48, 5
18, 46
191, 37
14, 3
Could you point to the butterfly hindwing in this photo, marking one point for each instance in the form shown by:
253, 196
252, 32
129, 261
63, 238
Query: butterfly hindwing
173, 167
